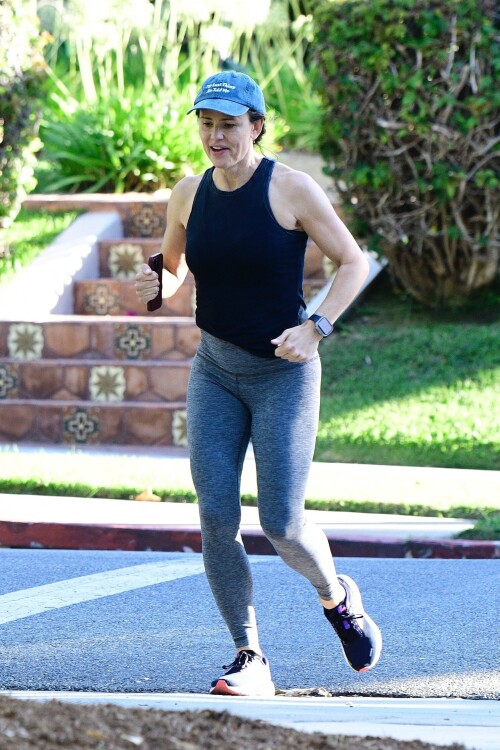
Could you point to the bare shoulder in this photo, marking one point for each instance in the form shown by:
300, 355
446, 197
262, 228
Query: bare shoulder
186, 188
181, 199
295, 185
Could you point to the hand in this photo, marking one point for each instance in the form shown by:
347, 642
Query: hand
297, 344
146, 284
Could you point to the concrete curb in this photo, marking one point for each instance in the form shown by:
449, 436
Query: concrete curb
36, 535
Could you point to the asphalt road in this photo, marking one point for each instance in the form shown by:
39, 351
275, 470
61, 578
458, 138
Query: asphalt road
145, 622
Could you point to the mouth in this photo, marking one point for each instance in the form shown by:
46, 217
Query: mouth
218, 149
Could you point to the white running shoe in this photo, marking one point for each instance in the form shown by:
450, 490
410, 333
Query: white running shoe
248, 675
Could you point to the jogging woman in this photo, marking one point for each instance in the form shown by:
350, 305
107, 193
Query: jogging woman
241, 228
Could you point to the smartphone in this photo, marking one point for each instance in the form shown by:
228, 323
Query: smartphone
155, 262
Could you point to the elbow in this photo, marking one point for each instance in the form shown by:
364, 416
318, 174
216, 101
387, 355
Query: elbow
365, 265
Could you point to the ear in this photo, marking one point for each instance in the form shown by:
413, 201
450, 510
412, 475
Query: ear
257, 128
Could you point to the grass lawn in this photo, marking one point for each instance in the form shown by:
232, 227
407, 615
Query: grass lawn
402, 385
30, 233
407, 386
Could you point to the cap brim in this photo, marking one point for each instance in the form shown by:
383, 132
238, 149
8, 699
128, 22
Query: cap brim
221, 105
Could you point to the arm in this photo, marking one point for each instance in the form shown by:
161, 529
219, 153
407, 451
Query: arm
316, 216
173, 248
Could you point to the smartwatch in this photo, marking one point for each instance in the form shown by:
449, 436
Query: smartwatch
322, 325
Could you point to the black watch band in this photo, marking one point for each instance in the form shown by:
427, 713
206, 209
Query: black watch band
322, 325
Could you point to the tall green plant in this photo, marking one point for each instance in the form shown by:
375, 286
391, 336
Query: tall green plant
279, 55
21, 70
122, 82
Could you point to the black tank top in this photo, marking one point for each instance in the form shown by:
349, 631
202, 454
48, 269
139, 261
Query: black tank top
248, 269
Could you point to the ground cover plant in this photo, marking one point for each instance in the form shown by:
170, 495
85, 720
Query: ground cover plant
30, 233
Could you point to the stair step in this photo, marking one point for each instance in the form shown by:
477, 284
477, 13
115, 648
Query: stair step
142, 214
118, 297
122, 259
93, 337
112, 381
56, 422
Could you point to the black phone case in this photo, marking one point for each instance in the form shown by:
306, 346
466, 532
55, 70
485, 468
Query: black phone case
155, 262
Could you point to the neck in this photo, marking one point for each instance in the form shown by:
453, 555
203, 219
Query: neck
236, 176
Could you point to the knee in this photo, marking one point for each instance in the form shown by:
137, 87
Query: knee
281, 529
218, 524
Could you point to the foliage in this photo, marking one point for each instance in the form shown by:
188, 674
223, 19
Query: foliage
122, 82
115, 489
411, 135
125, 141
27, 236
485, 528
402, 388
280, 58
21, 71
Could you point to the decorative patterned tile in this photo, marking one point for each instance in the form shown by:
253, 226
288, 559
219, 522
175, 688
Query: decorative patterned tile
102, 300
81, 425
107, 383
25, 341
66, 340
8, 381
179, 428
147, 220
132, 342
125, 260
17, 421
169, 382
40, 379
149, 425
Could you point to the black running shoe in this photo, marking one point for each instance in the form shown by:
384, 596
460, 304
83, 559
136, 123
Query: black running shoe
249, 675
360, 637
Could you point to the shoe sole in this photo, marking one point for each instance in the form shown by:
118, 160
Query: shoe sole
372, 628
222, 688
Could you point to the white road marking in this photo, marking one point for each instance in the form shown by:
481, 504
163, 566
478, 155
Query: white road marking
39, 599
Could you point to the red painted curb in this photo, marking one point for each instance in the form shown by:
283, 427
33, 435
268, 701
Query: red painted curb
188, 539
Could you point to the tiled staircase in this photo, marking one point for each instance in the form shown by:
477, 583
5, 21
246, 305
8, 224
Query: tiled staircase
111, 373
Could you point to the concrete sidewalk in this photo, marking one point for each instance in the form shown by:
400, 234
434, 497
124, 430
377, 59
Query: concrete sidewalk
98, 523
441, 721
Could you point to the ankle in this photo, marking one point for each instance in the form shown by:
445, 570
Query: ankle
338, 598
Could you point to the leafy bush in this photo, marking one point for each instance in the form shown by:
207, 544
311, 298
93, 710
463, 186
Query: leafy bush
122, 82
280, 58
125, 141
411, 135
21, 70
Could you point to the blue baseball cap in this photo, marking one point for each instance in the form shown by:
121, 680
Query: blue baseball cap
231, 93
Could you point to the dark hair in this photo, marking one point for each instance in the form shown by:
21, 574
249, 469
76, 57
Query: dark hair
254, 116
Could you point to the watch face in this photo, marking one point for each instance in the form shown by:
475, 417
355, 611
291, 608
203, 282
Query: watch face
324, 326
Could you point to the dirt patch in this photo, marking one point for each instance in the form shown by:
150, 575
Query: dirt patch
25, 725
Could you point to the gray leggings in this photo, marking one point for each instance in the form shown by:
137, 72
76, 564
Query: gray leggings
234, 396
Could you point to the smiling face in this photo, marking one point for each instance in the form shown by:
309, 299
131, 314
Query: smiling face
227, 140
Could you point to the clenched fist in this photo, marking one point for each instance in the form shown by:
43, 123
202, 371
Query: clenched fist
146, 284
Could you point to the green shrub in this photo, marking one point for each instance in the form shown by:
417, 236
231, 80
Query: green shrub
121, 84
21, 71
410, 134
124, 141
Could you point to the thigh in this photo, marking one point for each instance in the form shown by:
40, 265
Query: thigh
218, 425
284, 427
